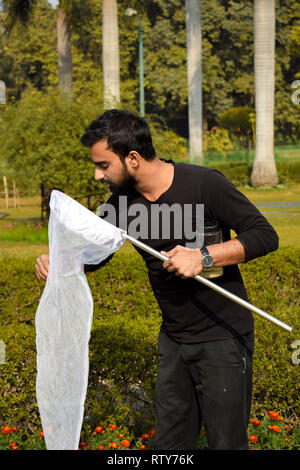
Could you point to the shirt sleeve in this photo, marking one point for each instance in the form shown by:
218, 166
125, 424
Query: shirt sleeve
231, 208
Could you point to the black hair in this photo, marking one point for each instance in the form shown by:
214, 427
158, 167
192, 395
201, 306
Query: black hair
124, 132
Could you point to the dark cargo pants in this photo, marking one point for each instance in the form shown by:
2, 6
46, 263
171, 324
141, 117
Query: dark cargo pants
209, 382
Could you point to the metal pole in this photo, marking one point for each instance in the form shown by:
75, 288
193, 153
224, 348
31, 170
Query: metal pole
213, 286
141, 69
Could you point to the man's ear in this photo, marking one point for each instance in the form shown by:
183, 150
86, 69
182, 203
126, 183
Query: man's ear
133, 159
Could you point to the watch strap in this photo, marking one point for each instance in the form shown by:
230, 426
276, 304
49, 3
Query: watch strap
204, 251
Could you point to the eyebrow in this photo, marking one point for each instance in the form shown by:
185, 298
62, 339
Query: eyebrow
103, 162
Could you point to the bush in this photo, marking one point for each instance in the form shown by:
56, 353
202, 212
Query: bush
271, 433
123, 344
217, 139
239, 173
47, 149
237, 119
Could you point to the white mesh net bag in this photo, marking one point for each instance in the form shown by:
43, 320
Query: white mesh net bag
64, 317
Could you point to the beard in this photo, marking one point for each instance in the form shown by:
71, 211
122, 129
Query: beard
126, 183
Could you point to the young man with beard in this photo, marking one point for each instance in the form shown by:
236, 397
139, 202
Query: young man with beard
206, 340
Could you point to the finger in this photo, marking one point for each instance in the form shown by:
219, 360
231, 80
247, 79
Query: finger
167, 253
168, 263
41, 271
44, 259
39, 275
171, 252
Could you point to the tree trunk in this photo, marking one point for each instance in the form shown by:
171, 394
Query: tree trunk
194, 72
111, 63
64, 53
264, 168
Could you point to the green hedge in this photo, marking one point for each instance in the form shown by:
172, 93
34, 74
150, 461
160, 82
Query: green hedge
239, 173
123, 344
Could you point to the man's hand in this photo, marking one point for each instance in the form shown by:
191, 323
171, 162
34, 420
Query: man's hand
184, 262
42, 267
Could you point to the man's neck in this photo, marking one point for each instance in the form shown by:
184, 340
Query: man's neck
155, 178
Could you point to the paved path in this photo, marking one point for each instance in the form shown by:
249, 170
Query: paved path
279, 205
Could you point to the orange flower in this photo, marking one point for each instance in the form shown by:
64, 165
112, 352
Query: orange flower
42, 434
143, 447
113, 445
152, 432
287, 439
275, 428
113, 426
6, 430
82, 444
273, 415
100, 448
13, 446
125, 443
255, 422
144, 437
253, 438
99, 430
14, 429
286, 427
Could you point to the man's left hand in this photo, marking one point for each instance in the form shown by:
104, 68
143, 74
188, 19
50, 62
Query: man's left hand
184, 262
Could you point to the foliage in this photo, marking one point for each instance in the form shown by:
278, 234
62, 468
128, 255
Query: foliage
271, 433
123, 343
16, 232
273, 285
112, 437
237, 120
217, 139
47, 149
238, 173
107, 437
29, 58
28, 55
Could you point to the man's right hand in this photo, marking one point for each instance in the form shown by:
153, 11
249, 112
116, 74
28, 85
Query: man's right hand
42, 267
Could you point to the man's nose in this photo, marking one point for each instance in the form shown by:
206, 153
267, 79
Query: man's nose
99, 175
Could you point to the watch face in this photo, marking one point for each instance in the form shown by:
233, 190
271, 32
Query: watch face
207, 261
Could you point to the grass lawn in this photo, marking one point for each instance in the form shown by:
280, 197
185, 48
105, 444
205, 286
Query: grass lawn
30, 241
287, 223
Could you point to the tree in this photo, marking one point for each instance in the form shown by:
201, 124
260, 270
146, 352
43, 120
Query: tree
110, 45
21, 10
193, 34
64, 48
264, 167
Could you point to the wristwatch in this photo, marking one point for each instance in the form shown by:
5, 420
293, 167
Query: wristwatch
207, 259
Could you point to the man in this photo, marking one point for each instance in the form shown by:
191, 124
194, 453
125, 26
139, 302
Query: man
206, 340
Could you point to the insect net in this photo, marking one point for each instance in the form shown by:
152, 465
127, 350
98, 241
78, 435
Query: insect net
64, 317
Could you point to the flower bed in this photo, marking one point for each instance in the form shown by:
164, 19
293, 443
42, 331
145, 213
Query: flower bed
270, 433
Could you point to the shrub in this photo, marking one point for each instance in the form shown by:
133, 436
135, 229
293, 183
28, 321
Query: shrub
271, 433
239, 173
237, 119
217, 139
123, 344
47, 149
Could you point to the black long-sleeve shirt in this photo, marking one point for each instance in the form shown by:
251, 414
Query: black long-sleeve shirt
191, 311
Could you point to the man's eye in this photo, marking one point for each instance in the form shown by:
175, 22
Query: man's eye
102, 167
